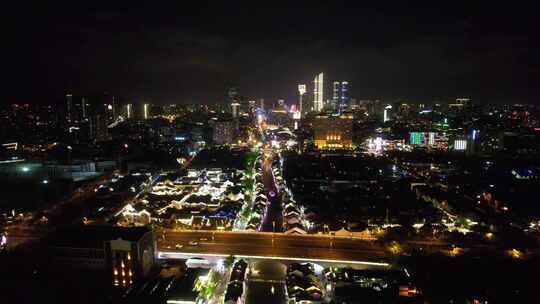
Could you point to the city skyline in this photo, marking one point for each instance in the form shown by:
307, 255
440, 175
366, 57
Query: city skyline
297, 152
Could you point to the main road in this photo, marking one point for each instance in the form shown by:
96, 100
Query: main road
270, 245
273, 219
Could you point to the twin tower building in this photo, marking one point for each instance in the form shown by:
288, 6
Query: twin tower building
338, 103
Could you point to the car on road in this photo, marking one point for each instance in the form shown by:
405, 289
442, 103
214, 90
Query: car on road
193, 243
178, 246
203, 239
197, 263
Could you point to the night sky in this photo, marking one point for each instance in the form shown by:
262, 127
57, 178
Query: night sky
191, 54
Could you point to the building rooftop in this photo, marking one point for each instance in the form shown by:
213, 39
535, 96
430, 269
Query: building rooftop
93, 236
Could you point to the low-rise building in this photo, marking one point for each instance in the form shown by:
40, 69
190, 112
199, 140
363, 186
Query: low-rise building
124, 255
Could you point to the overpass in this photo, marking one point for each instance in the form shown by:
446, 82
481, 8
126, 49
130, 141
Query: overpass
277, 246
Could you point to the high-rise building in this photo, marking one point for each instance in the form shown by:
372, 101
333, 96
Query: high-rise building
318, 93
340, 98
234, 107
335, 94
461, 104
84, 108
387, 115
146, 111
333, 131
113, 108
69, 106
128, 111
301, 92
344, 96
234, 101
224, 132
460, 144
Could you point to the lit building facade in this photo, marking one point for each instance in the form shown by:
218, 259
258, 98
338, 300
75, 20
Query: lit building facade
333, 131
128, 111
318, 93
235, 106
301, 92
125, 255
460, 105
146, 111
84, 108
69, 107
224, 132
340, 99
431, 140
459, 144
387, 114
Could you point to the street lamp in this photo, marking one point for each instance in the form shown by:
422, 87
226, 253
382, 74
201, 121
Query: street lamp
273, 232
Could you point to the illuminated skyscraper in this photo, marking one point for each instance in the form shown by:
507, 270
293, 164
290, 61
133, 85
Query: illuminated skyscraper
128, 110
234, 107
146, 110
232, 95
344, 96
301, 92
387, 115
335, 94
69, 106
318, 92
340, 99
84, 109
113, 108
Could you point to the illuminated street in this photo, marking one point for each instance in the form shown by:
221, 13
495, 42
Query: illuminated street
273, 220
260, 244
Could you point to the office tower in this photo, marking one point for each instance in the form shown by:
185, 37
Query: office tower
113, 105
251, 106
146, 109
318, 92
234, 107
232, 93
333, 131
335, 95
340, 97
69, 106
129, 111
233, 100
460, 105
101, 129
262, 104
301, 92
84, 108
387, 115
344, 96
460, 144
224, 132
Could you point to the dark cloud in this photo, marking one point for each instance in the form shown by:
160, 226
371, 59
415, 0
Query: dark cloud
181, 53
